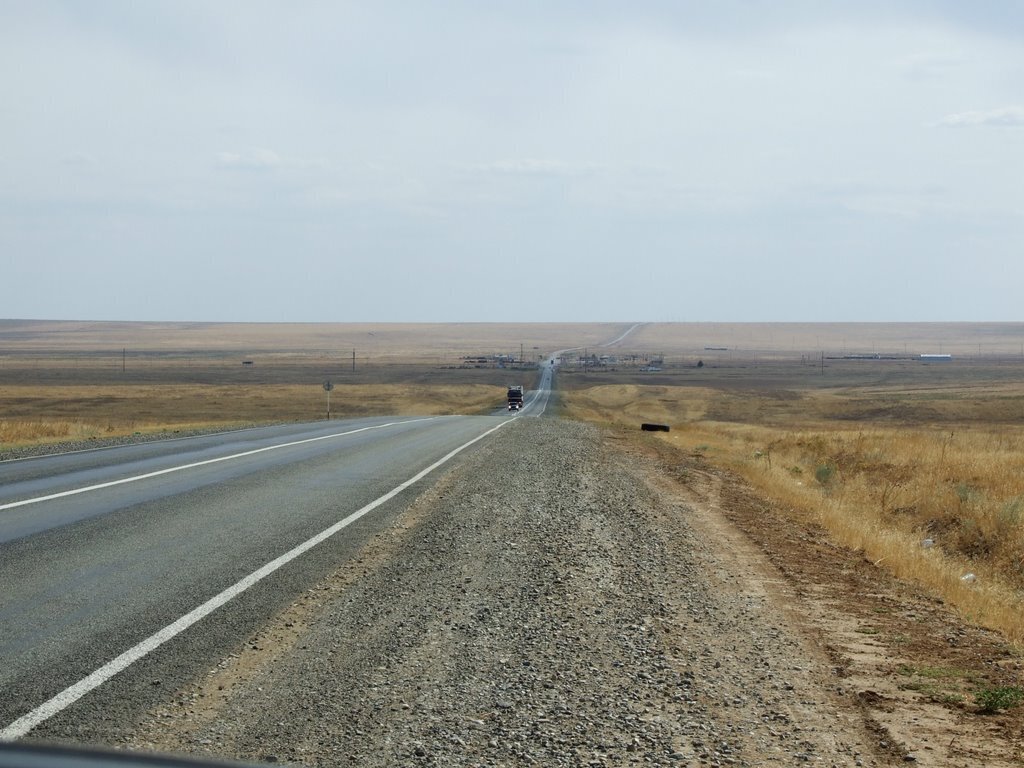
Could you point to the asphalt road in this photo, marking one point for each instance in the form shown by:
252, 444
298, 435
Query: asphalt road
535, 402
101, 551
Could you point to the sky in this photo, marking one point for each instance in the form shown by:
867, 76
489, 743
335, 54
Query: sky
654, 160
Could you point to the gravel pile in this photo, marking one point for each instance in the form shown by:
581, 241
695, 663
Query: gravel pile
541, 605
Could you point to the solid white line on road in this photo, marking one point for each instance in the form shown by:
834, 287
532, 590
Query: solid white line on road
73, 693
195, 464
543, 392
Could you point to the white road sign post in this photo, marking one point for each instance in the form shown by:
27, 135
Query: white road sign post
327, 388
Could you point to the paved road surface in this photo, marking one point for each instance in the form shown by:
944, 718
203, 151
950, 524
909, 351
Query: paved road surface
101, 549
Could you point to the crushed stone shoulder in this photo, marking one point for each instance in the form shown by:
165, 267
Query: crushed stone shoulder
541, 604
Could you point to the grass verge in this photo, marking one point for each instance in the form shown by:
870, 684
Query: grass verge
39, 415
941, 506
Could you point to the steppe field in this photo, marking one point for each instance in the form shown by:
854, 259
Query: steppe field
844, 451
82, 381
845, 424
916, 461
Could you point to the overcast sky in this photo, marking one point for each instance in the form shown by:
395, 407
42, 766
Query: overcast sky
470, 161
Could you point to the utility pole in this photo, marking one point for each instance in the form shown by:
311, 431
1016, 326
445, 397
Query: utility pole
353, 361
124, 354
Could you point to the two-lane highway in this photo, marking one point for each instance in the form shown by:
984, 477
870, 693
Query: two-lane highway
121, 569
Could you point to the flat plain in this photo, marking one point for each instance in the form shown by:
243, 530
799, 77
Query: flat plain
67, 381
879, 467
113, 378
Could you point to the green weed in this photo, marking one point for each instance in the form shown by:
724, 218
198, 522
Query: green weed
997, 698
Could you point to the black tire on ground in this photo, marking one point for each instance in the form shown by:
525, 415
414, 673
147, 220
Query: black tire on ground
646, 427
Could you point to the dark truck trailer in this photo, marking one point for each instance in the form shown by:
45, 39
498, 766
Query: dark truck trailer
515, 397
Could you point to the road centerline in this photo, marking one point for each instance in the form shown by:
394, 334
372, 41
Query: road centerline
194, 464
74, 692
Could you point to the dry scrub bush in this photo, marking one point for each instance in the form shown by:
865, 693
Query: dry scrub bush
883, 491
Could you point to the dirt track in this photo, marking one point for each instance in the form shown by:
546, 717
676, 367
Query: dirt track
600, 606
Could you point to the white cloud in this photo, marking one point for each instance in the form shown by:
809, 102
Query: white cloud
535, 167
377, 134
1003, 117
928, 66
252, 159
81, 161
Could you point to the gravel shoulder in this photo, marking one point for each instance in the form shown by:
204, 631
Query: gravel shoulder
564, 598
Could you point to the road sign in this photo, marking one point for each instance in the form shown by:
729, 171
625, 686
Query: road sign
327, 388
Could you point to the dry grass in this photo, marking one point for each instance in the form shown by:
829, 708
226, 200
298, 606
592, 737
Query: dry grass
376, 342
35, 415
63, 381
795, 339
79, 380
931, 503
822, 441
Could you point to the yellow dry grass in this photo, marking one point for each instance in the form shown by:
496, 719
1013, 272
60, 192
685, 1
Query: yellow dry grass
40, 415
377, 342
930, 503
959, 339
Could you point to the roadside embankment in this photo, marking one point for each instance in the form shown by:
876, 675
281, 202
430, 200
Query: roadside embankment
568, 612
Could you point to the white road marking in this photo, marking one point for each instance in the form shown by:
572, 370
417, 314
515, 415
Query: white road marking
98, 449
544, 391
73, 693
193, 465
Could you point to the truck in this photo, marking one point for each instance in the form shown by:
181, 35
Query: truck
515, 397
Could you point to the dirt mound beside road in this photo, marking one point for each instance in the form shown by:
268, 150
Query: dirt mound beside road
580, 612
